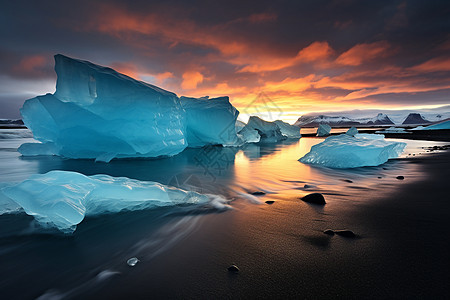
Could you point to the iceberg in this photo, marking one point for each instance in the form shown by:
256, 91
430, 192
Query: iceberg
345, 151
98, 112
352, 131
393, 130
268, 131
210, 121
323, 130
61, 199
288, 130
439, 126
249, 135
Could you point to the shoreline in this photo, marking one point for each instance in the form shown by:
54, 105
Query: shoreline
283, 253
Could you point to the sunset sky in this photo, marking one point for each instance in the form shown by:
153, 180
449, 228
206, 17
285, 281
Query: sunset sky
294, 57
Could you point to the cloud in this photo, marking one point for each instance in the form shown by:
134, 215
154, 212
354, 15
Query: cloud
191, 80
436, 64
362, 53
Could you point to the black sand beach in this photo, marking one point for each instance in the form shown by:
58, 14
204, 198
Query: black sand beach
400, 250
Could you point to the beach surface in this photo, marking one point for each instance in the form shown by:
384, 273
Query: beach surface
401, 248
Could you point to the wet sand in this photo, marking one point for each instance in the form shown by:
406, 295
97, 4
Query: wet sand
401, 250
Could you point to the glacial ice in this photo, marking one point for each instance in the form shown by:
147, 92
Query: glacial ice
268, 131
352, 131
97, 112
345, 151
288, 130
210, 121
323, 130
392, 130
61, 199
249, 135
439, 126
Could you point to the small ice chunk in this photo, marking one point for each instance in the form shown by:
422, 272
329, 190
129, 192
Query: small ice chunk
323, 130
61, 199
344, 151
132, 261
249, 135
268, 131
352, 131
392, 130
288, 130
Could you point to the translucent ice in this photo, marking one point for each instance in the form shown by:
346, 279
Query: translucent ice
61, 199
268, 131
249, 135
288, 130
345, 151
97, 111
439, 126
323, 130
352, 131
210, 121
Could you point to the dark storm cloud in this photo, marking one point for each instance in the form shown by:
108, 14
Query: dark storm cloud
299, 52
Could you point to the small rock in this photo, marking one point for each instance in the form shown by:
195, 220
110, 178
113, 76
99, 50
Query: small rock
345, 233
329, 232
347, 180
258, 193
314, 198
400, 177
270, 202
132, 261
233, 269
379, 177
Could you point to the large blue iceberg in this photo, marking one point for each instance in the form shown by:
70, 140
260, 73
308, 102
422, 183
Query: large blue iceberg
61, 199
99, 113
346, 151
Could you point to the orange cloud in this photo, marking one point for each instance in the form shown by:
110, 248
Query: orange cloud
314, 52
362, 53
30, 64
191, 80
434, 65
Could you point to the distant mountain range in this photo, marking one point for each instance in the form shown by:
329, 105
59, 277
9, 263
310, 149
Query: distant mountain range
341, 121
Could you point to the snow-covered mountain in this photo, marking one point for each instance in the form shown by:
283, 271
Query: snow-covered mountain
415, 119
337, 121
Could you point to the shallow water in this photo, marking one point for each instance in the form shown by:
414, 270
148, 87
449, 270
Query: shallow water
35, 263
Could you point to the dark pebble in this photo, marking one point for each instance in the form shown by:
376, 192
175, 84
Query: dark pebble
314, 198
233, 269
400, 177
379, 177
258, 193
345, 233
347, 180
329, 232
270, 202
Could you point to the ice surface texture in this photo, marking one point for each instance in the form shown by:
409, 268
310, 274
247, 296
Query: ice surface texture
61, 199
323, 130
269, 132
99, 113
210, 121
345, 151
288, 130
439, 126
